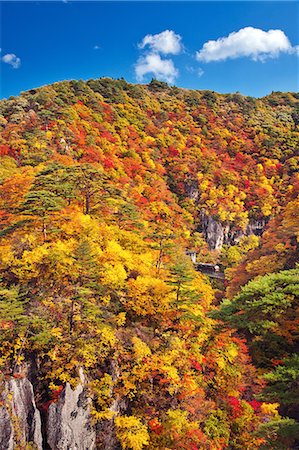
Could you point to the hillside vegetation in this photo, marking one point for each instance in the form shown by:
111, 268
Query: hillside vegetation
104, 186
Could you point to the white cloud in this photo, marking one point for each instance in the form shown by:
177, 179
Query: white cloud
166, 42
198, 71
163, 69
247, 42
153, 45
12, 59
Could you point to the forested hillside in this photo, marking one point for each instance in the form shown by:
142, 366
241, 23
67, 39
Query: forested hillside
105, 188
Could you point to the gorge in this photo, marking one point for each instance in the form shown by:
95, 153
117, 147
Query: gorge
110, 338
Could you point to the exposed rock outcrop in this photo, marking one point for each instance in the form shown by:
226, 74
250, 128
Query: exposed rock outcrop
69, 426
20, 421
106, 428
217, 234
256, 227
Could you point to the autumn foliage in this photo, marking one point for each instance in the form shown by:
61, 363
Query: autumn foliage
102, 188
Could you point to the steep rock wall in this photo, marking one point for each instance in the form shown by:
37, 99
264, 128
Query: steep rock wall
217, 234
69, 425
20, 421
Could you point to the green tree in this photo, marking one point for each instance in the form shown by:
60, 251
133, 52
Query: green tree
181, 276
283, 386
41, 204
265, 311
91, 183
13, 323
55, 178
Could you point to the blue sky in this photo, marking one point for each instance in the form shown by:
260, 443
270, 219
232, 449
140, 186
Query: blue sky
44, 42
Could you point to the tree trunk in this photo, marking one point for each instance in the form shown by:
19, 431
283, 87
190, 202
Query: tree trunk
72, 317
178, 292
87, 202
44, 230
160, 257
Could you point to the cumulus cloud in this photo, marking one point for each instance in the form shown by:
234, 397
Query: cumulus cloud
12, 59
248, 42
167, 42
150, 62
163, 69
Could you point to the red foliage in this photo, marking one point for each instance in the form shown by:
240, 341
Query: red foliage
91, 155
6, 324
235, 404
256, 405
172, 151
196, 365
142, 201
108, 112
277, 362
155, 426
55, 394
19, 376
193, 447
107, 135
4, 150
279, 166
133, 167
108, 163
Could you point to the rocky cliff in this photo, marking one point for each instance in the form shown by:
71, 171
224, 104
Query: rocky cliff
67, 422
20, 420
218, 234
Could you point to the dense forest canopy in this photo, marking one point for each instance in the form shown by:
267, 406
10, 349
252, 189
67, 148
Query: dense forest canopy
105, 186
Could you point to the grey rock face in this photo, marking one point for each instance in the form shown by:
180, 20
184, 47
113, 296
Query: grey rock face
6, 430
68, 425
257, 227
214, 232
217, 234
20, 421
192, 191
